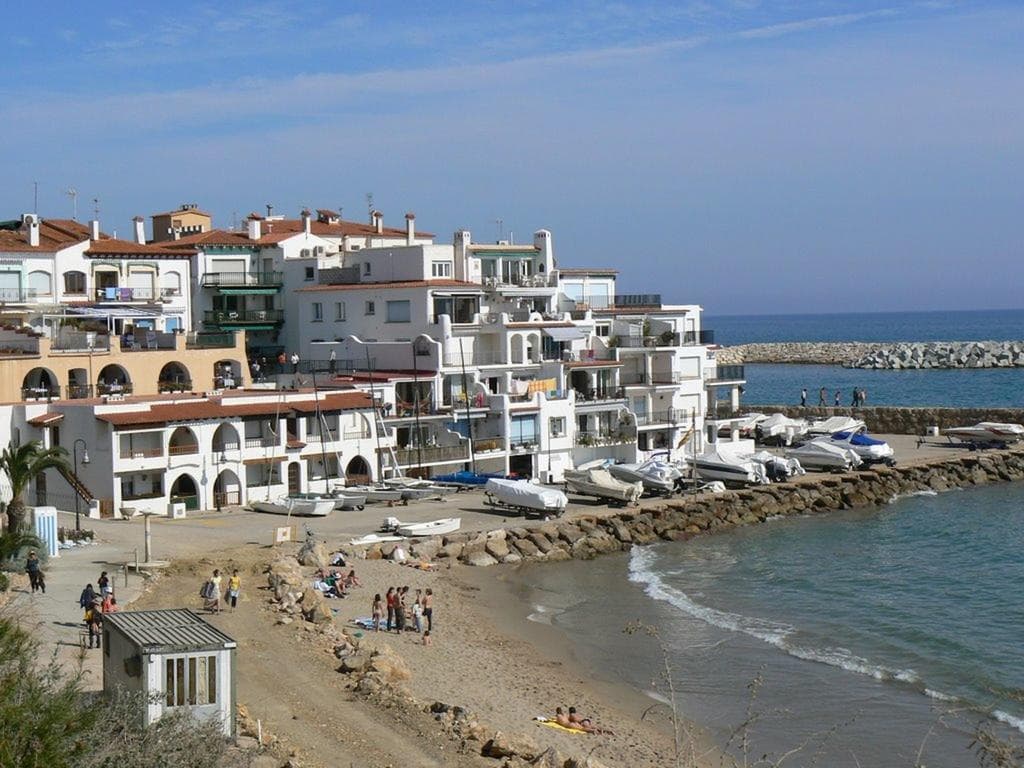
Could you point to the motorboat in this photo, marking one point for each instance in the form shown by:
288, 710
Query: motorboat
347, 501
745, 425
296, 505
778, 467
415, 489
780, 429
869, 449
375, 538
432, 528
987, 432
824, 455
835, 424
657, 476
465, 478
525, 496
729, 468
600, 483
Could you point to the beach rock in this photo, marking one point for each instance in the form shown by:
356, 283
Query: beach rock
374, 553
508, 745
425, 550
570, 534
353, 663
452, 549
512, 558
315, 608
550, 758
478, 558
525, 547
497, 548
314, 554
542, 542
577, 761
388, 665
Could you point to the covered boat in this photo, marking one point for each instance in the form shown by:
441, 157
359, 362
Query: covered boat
816, 454
293, 505
835, 424
778, 467
415, 489
729, 468
525, 496
600, 483
657, 476
780, 429
348, 500
466, 478
870, 450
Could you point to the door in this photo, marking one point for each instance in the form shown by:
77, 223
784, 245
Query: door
294, 478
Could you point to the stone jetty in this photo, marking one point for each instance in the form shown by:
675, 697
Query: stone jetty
886, 356
586, 537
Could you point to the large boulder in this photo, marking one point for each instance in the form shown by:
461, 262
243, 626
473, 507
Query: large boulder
550, 758
509, 745
389, 665
497, 548
425, 550
314, 554
452, 549
478, 558
315, 608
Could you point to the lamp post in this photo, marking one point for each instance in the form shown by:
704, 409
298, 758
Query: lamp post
85, 460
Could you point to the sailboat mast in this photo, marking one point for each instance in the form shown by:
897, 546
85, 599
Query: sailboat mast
416, 410
469, 419
321, 423
377, 418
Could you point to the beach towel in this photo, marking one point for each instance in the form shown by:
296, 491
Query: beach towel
558, 726
364, 622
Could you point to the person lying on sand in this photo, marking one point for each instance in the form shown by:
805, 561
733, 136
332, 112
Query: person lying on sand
562, 719
584, 723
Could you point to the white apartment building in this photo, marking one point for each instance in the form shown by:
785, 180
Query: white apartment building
545, 368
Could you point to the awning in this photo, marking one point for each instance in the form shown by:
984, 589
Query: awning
565, 334
46, 419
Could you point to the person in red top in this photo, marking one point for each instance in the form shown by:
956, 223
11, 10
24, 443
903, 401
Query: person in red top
390, 600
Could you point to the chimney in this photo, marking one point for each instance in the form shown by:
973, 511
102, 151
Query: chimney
306, 221
31, 222
378, 222
94, 229
140, 230
410, 228
254, 228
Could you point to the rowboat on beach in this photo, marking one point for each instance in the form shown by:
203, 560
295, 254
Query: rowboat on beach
299, 507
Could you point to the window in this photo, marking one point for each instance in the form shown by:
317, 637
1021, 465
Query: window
339, 311
398, 312
74, 282
366, 267
573, 291
441, 269
318, 312
603, 330
371, 308
557, 426
190, 680
523, 430
38, 283
310, 274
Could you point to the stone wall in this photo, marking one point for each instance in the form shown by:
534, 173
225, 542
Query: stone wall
902, 421
585, 538
821, 353
888, 356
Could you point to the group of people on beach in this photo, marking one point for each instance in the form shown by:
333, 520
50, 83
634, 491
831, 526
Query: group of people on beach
859, 399
96, 605
397, 608
334, 583
211, 594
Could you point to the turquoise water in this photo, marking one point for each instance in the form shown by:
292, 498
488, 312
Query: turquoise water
883, 628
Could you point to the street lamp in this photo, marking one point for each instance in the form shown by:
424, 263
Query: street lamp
85, 460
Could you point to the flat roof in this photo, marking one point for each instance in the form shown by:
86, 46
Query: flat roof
169, 630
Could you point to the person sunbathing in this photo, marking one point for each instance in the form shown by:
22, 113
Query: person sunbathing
352, 580
584, 724
562, 719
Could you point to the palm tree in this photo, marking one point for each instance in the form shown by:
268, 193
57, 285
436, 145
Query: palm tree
12, 542
23, 464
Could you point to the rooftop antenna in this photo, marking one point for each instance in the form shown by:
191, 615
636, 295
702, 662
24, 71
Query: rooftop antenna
369, 202
96, 207
73, 194
234, 220
35, 197
270, 210
340, 216
500, 223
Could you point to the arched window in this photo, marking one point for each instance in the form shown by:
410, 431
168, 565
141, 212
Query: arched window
39, 283
170, 284
74, 283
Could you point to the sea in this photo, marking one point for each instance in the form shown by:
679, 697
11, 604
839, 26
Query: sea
781, 384
883, 636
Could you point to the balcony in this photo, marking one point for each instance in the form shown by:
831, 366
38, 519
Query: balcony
142, 453
176, 385
584, 396
723, 374
244, 318
210, 340
79, 391
185, 449
593, 439
41, 393
147, 340
114, 388
19, 347
122, 294
262, 442
667, 339
627, 300
659, 417
80, 342
430, 454
332, 366
229, 280
488, 445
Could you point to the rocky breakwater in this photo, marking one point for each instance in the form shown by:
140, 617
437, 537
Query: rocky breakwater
806, 352
586, 537
944, 354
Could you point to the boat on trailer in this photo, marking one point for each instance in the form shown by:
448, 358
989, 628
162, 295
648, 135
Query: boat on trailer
729, 468
525, 496
987, 433
601, 484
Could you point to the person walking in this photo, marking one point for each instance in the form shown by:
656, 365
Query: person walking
855, 400
295, 362
104, 584
417, 611
822, 395
428, 608
838, 397
85, 599
391, 608
94, 621
803, 397
234, 587
34, 569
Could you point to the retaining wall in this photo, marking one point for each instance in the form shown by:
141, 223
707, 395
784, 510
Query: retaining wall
901, 421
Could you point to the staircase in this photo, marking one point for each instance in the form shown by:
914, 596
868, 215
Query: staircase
76, 484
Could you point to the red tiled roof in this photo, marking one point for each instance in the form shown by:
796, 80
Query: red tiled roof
221, 408
342, 228
213, 237
54, 235
396, 284
117, 247
46, 419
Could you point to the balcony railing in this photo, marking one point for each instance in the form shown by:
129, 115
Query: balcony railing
584, 439
597, 396
484, 445
210, 340
79, 391
428, 454
183, 450
458, 318
699, 337
135, 342
114, 388
222, 447
139, 496
142, 453
80, 342
119, 293
330, 366
474, 357
19, 347
726, 373
226, 382
243, 279
663, 340
658, 417
636, 300
243, 317
40, 393
262, 442
174, 385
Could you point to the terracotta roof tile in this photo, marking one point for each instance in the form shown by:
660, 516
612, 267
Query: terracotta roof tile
46, 419
117, 247
54, 235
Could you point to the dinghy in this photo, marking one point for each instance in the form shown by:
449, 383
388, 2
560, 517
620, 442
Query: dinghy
432, 528
299, 507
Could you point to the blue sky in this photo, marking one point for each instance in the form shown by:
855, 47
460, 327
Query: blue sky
751, 156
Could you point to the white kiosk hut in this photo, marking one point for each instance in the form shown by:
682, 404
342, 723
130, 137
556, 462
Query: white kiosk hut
176, 655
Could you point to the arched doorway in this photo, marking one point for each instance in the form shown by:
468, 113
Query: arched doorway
174, 377
227, 490
357, 471
185, 491
227, 374
294, 478
40, 384
225, 438
183, 442
113, 380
